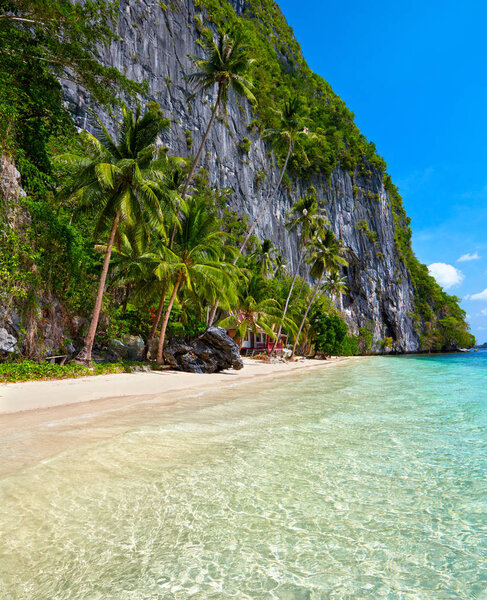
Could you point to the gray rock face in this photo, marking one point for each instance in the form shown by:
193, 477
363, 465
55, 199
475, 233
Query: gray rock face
211, 352
8, 343
154, 45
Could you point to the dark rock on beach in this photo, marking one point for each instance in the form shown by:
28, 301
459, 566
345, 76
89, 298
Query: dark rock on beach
211, 352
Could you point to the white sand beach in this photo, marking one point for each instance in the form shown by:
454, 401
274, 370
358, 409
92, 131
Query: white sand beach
39, 419
33, 395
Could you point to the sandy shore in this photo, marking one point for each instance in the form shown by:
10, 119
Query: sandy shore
40, 419
35, 395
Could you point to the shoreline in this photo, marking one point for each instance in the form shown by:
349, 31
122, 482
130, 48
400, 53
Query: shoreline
29, 396
40, 419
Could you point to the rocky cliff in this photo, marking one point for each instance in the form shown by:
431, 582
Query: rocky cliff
155, 41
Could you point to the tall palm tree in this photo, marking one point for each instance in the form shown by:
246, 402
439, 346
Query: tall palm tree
336, 285
291, 127
226, 65
195, 258
304, 215
117, 182
327, 256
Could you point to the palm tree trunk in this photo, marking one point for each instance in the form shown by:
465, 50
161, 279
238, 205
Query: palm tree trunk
159, 313
212, 314
286, 306
258, 219
162, 335
205, 137
84, 356
306, 314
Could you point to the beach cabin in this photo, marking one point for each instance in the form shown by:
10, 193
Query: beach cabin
258, 342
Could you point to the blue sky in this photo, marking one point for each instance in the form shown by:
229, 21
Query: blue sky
415, 75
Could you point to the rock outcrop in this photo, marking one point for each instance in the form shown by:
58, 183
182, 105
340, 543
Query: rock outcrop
154, 45
211, 352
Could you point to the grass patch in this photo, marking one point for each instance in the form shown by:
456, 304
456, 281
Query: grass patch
29, 370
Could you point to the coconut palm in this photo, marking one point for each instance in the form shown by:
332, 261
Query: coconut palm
264, 259
194, 260
117, 182
336, 285
280, 270
287, 135
254, 311
326, 256
304, 215
226, 65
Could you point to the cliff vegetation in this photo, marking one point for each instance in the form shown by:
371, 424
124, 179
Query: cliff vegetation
55, 241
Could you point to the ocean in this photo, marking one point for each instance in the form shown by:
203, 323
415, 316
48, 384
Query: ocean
363, 481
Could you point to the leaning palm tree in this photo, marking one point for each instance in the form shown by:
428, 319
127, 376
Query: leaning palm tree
195, 259
304, 215
336, 286
327, 256
226, 65
117, 182
287, 135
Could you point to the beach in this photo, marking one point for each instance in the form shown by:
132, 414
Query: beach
39, 419
277, 488
35, 395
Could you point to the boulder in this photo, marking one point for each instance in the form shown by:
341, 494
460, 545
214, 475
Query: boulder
211, 352
130, 347
7, 342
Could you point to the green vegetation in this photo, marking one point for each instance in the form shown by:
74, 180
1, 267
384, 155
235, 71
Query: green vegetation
281, 74
245, 145
29, 370
364, 227
121, 237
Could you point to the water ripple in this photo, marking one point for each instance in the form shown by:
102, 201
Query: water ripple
362, 482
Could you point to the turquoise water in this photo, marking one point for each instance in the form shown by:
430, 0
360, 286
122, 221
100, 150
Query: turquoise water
364, 481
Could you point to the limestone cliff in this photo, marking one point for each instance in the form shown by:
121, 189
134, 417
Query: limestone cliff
155, 40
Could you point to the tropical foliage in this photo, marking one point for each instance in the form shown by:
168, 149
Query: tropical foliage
129, 239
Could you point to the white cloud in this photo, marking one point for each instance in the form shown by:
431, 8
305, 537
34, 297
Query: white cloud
479, 296
468, 257
484, 312
446, 275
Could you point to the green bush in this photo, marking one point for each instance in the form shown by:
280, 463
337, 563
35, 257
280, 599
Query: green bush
245, 145
328, 332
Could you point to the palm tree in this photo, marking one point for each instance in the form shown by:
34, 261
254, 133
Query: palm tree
291, 127
303, 215
117, 182
194, 260
264, 259
226, 65
327, 256
280, 270
287, 135
336, 285
174, 183
254, 310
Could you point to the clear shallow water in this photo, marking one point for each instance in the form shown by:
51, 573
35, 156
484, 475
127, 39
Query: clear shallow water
363, 481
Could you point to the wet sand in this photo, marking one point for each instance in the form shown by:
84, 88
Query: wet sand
42, 418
